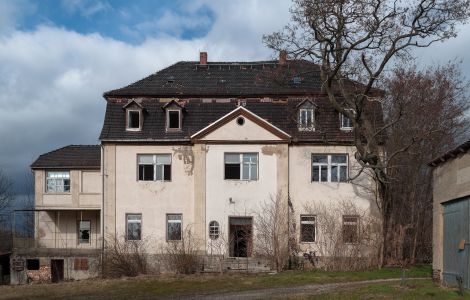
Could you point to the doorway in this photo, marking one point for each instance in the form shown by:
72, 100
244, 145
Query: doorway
57, 270
240, 235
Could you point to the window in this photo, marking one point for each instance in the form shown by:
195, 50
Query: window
80, 264
58, 182
32, 264
134, 227
329, 168
173, 227
350, 229
306, 119
173, 119
214, 230
346, 123
241, 166
154, 167
84, 228
307, 229
133, 120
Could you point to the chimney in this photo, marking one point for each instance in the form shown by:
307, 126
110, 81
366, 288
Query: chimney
203, 58
282, 57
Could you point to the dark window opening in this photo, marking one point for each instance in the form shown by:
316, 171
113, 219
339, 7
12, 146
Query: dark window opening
84, 228
133, 120
350, 229
146, 172
167, 172
174, 119
232, 171
32, 264
307, 229
240, 121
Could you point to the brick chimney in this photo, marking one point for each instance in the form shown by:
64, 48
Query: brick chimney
203, 58
282, 57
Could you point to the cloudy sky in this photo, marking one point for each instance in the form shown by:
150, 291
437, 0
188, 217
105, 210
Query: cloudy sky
58, 57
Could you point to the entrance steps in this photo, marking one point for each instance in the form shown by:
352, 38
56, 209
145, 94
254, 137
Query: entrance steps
217, 264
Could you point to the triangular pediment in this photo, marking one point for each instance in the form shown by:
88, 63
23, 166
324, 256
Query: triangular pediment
241, 125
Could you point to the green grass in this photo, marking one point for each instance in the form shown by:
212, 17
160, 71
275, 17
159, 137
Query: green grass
155, 286
413, 289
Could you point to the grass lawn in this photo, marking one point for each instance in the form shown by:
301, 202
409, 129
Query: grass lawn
157, 286
413, 289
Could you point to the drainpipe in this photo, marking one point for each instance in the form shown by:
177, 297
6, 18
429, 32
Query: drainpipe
102, 209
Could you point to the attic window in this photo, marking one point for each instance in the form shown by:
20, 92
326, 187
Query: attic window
173, 119
133, 120
346, 123
171, 79
297, 80
306, 119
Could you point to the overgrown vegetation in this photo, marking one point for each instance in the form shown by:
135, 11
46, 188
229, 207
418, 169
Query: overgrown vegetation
124, 258
182, 256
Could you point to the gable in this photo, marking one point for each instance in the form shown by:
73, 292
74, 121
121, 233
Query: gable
241, 125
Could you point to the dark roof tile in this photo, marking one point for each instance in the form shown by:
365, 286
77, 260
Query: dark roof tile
70, 157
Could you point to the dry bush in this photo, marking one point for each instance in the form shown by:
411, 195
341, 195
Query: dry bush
182, 256
332, 247
124, 258
271, 227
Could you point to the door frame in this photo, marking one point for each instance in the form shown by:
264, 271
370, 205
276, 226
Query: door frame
249, 241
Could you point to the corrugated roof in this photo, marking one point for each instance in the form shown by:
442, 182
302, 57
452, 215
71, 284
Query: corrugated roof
70, 157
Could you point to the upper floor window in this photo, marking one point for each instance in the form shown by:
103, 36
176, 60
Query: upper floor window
350, 229
133, 227
241, 166
173, 119
58, 181
133, 120
306, 119
346, 123
154, 167
329, 167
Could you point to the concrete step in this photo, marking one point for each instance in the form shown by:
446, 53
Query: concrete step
235, 264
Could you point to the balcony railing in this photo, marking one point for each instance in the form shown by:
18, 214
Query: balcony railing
55, 246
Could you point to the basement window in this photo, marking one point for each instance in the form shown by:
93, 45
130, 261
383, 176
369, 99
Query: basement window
84, 229
350, 229
241, 166
307, 228
133, 120
58, 182
32, 264
173, 119
134, 227
154, 167
174, 227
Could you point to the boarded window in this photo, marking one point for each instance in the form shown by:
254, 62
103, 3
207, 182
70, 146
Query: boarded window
84, 229
32, 264
350, 229
173, 119
174, 227
307, 228
80, 264
154, 167
133, 119
134, 227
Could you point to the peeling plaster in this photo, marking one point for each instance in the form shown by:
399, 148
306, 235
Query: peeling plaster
186, 154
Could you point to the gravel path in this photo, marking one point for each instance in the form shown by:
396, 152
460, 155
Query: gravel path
270, 293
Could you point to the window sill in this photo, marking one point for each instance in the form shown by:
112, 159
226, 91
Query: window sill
308, 243
306, 129
348, 129
133, 129
162, 181
57, 193
241, 180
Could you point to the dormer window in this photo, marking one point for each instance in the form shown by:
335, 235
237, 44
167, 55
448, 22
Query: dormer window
173, 119
133, 120
307, 119
346, 123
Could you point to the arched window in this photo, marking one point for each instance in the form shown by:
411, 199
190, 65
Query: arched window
214, 230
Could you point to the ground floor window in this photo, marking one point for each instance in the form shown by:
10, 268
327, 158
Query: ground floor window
350, 229
84, 229
307, 228
174, 227
134, 227
214, 230
32, 264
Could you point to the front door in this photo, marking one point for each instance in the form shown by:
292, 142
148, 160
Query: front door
57, 270
240, 235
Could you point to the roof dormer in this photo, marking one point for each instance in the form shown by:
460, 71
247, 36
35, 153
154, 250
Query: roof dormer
306, 115
134, 116
173, 116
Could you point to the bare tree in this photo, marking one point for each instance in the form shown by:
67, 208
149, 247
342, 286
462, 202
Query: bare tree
353, 41
6, 195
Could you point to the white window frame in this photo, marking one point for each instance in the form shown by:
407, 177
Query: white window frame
329, 164
168, 119
139, 221
168, 221
310, 112
58, 179
242, 163
342, 120
128, 119
155, 164
214, 230
314, 223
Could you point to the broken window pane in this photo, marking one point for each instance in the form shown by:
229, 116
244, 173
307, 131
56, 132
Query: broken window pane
84, 228
232, 171
173, 119
134, 229
307, 229
174, 227
133, 119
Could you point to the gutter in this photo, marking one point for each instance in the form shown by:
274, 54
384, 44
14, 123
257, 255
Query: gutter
102, 209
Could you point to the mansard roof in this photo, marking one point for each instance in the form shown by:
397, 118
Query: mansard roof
199, 113
70, 157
